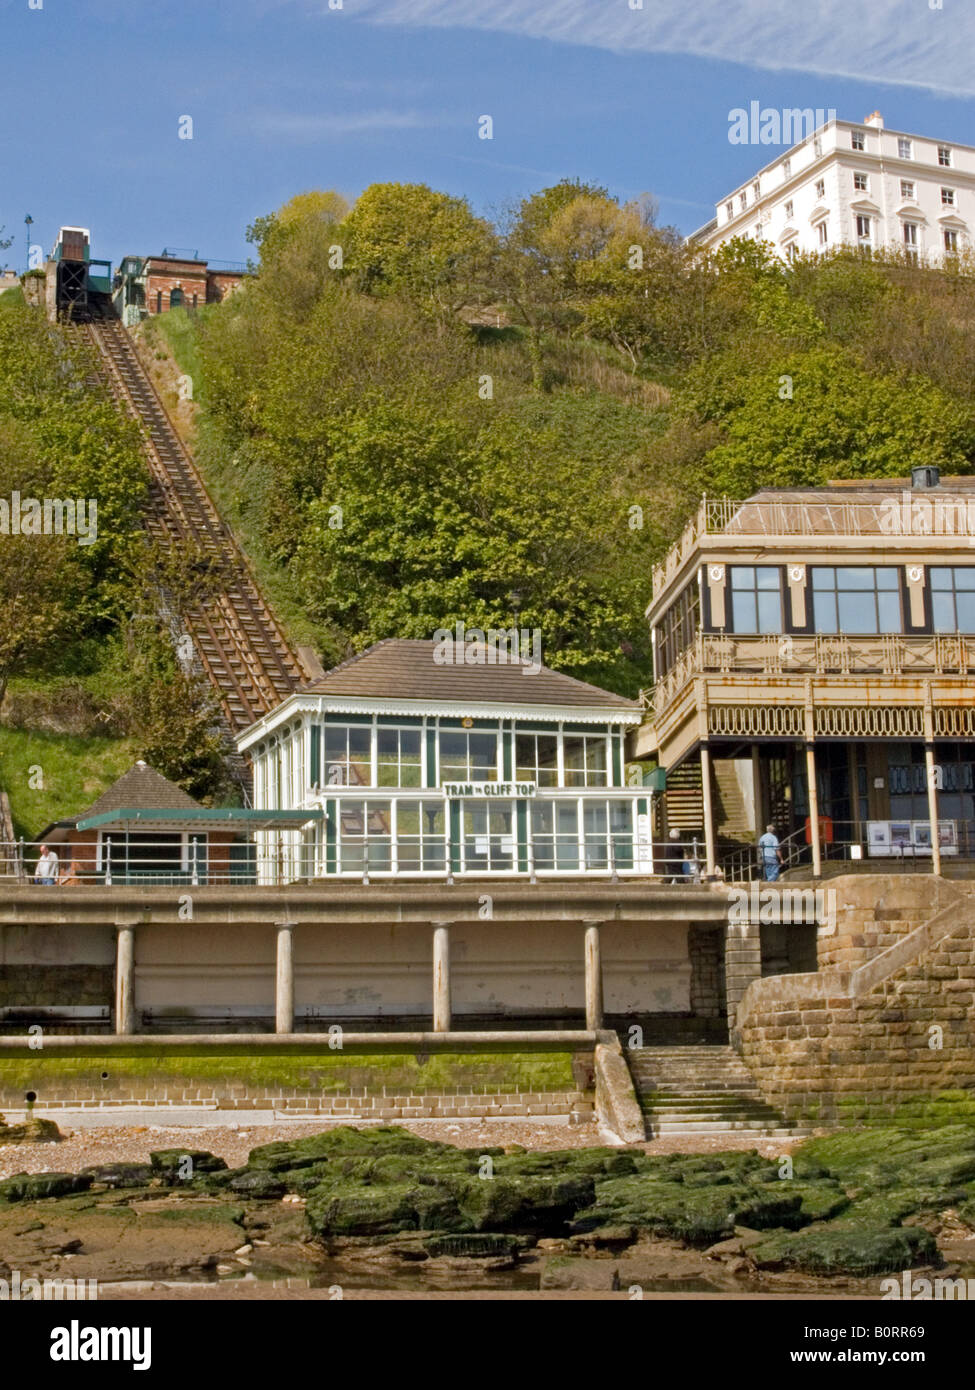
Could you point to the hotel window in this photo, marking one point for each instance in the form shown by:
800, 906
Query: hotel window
953, 598
348, 755
817, 147
861, 183
790, 210
743, 201
729, 210
858, 140
823, 233
911, 239
947, 197
907, 188
951, 241
786, 169
904, 148
820, 188
398, 757
537, 759
756, 598
944, 156
863, 228
584, 758
792, 251
858, 599
757, 190
468, 757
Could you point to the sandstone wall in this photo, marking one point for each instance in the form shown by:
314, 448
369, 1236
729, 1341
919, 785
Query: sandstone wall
886, 1029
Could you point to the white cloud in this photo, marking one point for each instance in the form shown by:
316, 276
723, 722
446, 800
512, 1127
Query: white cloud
893, 41
319, 125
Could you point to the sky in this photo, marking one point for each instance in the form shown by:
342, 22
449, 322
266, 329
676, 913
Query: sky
287, 95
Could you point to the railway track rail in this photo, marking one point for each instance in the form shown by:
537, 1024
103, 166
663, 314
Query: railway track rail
240, 646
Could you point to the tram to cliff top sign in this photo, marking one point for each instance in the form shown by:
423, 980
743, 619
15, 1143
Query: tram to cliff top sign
519, 789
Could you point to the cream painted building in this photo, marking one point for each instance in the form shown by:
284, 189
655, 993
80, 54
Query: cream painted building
856, 185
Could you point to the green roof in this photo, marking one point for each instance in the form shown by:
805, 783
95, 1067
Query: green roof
251, 820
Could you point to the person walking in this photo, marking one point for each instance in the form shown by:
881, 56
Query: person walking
46, 872
770, 854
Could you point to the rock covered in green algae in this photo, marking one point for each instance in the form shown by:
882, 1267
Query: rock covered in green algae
34, 1130
879, 1158
700, 1214
846, 1249
179, 1166
29, 1187
120, 1174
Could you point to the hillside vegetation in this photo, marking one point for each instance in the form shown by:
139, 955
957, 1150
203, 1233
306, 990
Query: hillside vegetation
415, 418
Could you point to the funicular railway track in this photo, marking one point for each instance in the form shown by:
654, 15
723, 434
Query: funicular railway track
241, 648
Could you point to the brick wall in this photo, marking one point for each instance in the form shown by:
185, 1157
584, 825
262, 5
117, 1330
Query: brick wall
874, 1037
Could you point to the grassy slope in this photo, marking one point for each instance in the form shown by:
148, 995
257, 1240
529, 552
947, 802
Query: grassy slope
73, 772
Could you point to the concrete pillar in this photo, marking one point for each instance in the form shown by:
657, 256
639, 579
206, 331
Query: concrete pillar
125, 980
933, 808
708, 805
817, 853
594, 978
441, 977
284, 996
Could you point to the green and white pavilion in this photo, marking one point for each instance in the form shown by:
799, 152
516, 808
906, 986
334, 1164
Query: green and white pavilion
431, 761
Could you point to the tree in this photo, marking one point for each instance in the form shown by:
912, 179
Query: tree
406, 239
803, 418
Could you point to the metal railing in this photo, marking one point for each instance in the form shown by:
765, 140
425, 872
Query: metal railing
274, 858
182, 860
897, 511
894, 842
822, 654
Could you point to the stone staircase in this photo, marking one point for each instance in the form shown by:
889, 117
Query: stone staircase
700, 1089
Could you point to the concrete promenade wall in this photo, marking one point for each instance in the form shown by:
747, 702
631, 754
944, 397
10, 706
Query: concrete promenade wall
886, 1028
360, 951
389, 1078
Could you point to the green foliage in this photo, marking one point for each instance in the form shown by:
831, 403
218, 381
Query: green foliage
75, 770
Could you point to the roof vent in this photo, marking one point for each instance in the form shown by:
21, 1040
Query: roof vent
925, 476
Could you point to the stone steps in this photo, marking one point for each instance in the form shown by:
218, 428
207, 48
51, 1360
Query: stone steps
702, 1089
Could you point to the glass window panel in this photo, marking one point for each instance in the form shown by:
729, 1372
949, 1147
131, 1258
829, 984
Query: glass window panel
596, 760
858, 612
769, 612
965, 577
889, 612
743, 577
965, 612
743, 611
824, 611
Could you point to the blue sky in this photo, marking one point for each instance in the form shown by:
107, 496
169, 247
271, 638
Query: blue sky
287, 95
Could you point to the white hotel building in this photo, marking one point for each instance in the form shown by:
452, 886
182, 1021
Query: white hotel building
859, 185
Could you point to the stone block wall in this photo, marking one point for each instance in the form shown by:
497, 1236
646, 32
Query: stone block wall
705, 946
874, 1037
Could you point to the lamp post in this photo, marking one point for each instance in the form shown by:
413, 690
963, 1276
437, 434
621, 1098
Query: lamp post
28, 223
